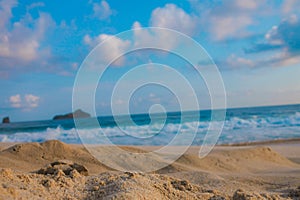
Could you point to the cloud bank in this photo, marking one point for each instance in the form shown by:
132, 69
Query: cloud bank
27, 102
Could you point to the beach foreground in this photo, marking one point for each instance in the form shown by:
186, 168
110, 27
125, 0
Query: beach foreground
249, 171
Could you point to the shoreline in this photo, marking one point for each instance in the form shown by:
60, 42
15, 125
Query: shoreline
252, 143
275, 141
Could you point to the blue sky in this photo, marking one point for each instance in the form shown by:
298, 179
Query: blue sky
254, 43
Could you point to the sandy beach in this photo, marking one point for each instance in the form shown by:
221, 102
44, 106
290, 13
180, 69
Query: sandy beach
150, 100
269, 170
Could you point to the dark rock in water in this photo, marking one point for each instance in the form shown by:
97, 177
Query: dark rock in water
5, 120
77, 114
66, 166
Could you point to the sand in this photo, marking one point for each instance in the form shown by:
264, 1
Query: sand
269, 170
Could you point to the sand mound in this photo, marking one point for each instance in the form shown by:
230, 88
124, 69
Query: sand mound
46, 150
145, 186
236, 160
29, 157
35, 186
104, 186
112, 185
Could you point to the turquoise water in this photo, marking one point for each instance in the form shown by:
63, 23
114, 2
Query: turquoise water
241, 125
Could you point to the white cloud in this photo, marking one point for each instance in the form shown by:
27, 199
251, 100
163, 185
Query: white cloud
5, 12
172, 17
279, 59
227, 27
74, 65
247, 5
15, 101
88, 40
234, 61
282, 59
282, 42
151, 95
22, 42
230, 19
32, 101
169, 16
111, 50
27, 103
144, 37
271, 37
21, 39
286, 34
35, 5
102, 10
290, 6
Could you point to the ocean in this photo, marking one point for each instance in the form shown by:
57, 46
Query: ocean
241, 125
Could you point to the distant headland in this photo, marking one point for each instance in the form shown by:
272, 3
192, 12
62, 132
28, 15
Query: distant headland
5, 120
77, 114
